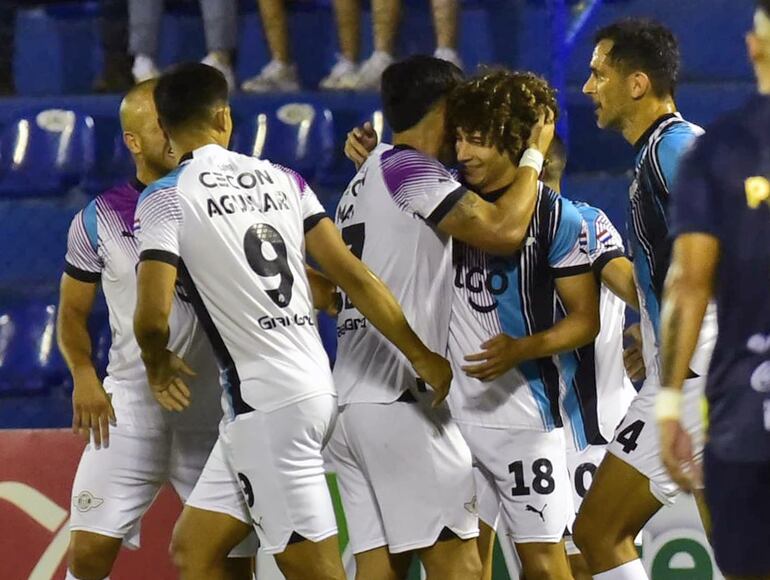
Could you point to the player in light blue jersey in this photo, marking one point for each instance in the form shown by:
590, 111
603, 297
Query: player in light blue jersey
633, 75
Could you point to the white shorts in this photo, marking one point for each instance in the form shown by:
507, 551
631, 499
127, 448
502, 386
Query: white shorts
582, 466
523, 474
404, 474
637, 442
115, 486
277, 466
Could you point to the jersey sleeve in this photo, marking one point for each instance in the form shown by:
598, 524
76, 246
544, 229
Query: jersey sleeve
420, 185
605, 242
695, 204
567, 255
312, 209
158, 223
82, 261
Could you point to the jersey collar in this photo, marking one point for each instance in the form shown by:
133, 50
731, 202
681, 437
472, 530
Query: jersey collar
651, 129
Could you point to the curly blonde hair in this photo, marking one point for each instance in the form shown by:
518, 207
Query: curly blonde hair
502, 106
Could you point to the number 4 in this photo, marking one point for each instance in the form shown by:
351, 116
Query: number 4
628, 436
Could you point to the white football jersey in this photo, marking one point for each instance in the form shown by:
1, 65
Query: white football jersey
101, 248
235, 225
596, 391
515, 295
387, 216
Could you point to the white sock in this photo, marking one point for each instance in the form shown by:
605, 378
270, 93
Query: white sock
632, 570
71, 576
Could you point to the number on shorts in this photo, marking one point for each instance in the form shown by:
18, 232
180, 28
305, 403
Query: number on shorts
581, 487
628, 436
354, 236
255, 241
543, 482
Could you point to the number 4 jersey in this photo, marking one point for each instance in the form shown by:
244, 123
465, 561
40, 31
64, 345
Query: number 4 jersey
235, 225
387, 216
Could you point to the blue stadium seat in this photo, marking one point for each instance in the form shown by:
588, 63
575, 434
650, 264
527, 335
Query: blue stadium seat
299, 135
45, 152
30, 362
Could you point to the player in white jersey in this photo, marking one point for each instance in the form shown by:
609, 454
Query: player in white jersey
235, 229
384, 490
135, 446
633, 75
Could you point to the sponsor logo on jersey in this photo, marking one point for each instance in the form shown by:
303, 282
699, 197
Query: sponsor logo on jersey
479, 281
86, 501
351, 325
757, 190
271, 322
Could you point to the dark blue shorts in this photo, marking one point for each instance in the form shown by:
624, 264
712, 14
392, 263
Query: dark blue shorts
738, 497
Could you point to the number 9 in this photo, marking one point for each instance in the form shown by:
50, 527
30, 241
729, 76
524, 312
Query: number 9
253, 246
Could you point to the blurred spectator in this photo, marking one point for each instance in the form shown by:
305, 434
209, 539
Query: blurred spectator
280, 74
219, 22
116, 74
385, 16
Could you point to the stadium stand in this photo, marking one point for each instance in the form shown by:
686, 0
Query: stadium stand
58, 146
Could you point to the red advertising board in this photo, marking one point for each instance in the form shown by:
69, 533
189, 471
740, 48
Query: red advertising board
36, 472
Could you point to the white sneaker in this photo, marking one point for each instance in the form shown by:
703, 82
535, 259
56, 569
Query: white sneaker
343, 76
223, 67
144, 68
449, 54
275, 76
371, 71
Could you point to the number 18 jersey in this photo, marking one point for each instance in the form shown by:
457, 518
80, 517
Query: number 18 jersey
235, 225
387, 216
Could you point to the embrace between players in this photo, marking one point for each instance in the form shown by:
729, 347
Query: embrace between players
522, 289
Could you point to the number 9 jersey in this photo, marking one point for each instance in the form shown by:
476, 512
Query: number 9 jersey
235, 225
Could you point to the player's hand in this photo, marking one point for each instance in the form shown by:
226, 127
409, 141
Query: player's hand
92, 410
500, 355
359, 143
436, 371
676, 451
542, 131
633, 354
166, 378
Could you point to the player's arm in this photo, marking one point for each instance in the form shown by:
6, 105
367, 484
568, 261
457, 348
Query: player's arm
376, 302
324, 291
618, 276
91, 407
501, 227
579, 294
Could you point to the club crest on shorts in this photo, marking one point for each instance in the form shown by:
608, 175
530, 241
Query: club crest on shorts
86, 501
248, 491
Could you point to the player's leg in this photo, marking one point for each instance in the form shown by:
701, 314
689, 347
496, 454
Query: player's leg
488, 507
201, 542
275, 25
739, 507
113, 488
419, 469
486, 543
91, 556
579, 567
362, 513
215, 521
277, 459
190, 454
530, 471
385, 17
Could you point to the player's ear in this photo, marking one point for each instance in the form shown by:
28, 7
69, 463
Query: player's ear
639, 85
132, 143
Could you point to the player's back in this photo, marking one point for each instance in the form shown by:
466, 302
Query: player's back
237, 225
387, 216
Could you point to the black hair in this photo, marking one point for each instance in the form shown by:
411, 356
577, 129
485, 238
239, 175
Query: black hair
410, 88
644, 45
764, 6
187, 93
